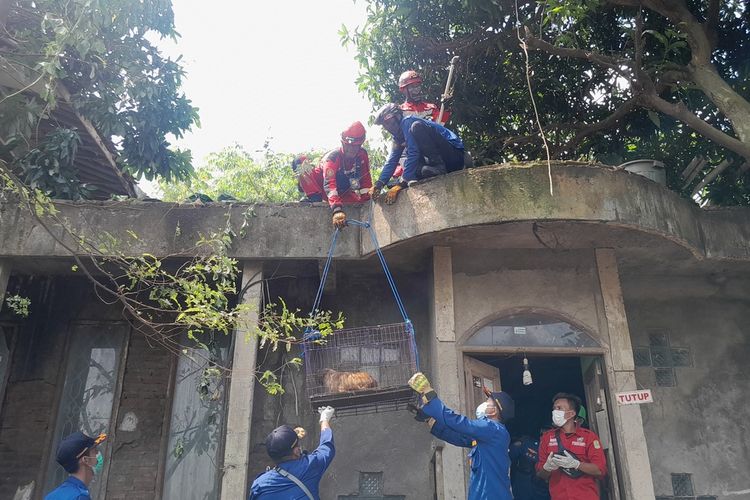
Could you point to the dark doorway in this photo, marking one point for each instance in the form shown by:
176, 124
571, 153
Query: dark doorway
551, 374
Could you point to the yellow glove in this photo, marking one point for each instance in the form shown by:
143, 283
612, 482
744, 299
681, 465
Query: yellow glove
392, 194
339, 220
301, 433
419, 383
375, 192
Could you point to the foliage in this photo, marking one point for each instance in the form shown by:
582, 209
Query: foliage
603, 92
234, 172
100, 53
19, 305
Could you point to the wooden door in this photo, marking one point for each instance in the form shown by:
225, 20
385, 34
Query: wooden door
598, 421
477, 374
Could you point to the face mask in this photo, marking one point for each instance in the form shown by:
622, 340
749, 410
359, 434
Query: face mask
97, 468
481, 410
558, 418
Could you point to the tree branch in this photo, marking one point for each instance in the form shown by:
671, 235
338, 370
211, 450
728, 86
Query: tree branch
614, 63
712, 21
593, 128
681, 112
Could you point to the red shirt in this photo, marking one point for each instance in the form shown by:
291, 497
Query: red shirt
587, 447
426, 110
346, 181
311, 182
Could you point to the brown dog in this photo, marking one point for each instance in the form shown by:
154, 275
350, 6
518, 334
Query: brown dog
335, 381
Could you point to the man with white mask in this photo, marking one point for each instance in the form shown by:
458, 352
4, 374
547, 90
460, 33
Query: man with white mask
574, 455
486, 436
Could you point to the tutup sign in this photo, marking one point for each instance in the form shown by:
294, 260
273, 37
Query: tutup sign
634, 397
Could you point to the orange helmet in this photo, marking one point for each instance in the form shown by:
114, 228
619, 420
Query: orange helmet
408, 78
354, 134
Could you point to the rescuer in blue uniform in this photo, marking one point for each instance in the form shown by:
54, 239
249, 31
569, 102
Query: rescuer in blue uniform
297, 474
487, 437
80, 458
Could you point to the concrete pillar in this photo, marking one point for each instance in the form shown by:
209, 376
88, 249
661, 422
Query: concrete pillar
444, 366
234, 483
4, 277
635, 466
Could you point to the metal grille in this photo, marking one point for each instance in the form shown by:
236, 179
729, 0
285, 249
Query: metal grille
658, 338
681, 357
661, 357
385, 352
665, 377
371, 484
642, 356
682, 485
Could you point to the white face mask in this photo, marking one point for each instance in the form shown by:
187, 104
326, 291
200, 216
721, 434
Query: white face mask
558, 418
482, 410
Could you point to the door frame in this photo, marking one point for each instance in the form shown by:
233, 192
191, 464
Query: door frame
601, 353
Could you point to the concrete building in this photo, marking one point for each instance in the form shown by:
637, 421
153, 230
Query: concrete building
611, 284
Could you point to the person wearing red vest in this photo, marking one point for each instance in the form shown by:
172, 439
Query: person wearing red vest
571, 458
346, 173
309, 179
410, 84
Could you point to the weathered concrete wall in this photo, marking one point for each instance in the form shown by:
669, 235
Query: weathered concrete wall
699, 426
365, 443
491, 283
488, 195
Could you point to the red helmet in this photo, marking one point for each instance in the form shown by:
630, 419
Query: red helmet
354, 134
408, 78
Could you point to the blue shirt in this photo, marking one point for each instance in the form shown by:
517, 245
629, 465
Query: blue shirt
308, 468
524, 455
406, 141
71, 489
490, 464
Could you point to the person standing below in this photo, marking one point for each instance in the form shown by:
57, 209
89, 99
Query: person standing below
297, 474
486, 436
524, 455
79, 456
410, 84
571, 458
346, 173
431, 149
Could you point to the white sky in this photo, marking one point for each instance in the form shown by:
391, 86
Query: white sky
260, 69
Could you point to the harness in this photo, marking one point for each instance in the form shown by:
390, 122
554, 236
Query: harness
295, 480
572, 473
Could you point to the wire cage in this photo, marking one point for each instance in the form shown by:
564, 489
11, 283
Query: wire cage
362, 370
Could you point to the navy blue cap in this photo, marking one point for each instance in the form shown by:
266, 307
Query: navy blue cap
507, 404
73, 447
280, 442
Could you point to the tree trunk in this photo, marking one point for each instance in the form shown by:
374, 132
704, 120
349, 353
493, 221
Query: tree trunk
729, 102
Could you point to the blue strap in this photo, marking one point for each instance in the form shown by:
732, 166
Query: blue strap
310, 335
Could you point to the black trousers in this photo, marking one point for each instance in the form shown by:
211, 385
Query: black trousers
436, 148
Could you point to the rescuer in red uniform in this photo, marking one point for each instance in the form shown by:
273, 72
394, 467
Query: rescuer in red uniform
410, 84
346, 173
309, 179
571, 458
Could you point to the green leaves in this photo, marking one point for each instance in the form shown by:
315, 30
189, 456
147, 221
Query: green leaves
18, 304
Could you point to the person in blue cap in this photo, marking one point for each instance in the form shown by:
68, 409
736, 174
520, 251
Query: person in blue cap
297, 474
486, 436
79, 456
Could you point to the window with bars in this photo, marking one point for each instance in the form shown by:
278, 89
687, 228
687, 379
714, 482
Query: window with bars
92, 379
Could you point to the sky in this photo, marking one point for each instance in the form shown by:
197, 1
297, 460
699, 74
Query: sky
268, 69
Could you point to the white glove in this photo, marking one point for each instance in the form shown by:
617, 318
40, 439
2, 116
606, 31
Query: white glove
326, 413
550, 464
566, 461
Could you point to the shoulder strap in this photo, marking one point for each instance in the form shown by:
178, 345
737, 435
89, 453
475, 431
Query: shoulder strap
560, 447
295, 480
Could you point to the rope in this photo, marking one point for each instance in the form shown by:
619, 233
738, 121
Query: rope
310, 335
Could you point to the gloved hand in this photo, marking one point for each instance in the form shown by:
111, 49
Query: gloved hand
550, 464
419, 415
326, 413
566, 461
375, 190
446, 98
300, 431
392, 194
419, 383
339, 220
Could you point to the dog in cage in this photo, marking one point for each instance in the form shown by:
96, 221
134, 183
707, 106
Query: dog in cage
339, 381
